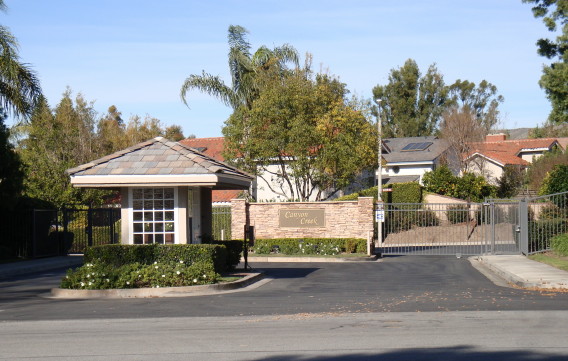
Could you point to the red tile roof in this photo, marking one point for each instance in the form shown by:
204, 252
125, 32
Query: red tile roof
213, 147
508, 151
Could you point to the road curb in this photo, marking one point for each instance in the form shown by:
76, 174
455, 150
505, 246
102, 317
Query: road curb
514, 279
186, 291
292, 259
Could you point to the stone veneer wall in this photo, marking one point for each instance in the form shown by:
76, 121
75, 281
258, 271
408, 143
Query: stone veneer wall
342, 219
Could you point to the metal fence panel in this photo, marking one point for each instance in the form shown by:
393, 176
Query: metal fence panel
90, 227
221, 223
434, 229
547, 218
46, 240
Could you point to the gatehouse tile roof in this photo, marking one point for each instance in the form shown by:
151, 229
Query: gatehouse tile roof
157, 156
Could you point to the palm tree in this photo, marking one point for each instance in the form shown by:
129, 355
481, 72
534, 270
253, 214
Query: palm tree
244, 69
19, 86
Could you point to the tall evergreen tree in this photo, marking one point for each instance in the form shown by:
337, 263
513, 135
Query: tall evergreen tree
411, 104
554, 80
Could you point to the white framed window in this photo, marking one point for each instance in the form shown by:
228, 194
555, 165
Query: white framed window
154, 214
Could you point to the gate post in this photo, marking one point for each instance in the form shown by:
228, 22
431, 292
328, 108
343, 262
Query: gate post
492, 220
524, 226
90, 227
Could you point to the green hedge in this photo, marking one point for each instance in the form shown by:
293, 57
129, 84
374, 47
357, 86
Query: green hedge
118, 255
309, 246
410, 192
234, 251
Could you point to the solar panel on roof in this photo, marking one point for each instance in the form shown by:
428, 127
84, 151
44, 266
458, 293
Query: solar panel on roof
414, 147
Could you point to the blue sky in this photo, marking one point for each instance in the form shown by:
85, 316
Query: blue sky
136, 54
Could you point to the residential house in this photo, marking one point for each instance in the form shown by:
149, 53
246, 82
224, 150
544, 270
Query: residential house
489, 158
408, 159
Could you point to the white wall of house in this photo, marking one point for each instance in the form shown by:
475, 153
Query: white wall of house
269, 187
490, 170
529, 156
407, 169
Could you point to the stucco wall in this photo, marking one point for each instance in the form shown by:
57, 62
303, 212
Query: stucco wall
342, 219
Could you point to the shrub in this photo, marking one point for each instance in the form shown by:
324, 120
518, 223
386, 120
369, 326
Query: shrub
559, 244
136, 275
426, 218
556, 182
315, 246
541, 232
234, 251
410, 192
119, 255
457, 214
551, 211
355, 245
468, 187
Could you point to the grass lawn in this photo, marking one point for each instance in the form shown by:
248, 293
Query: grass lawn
551, 259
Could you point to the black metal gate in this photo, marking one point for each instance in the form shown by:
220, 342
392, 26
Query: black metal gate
83, 228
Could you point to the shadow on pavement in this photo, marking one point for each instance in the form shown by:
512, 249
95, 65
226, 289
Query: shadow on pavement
458, 353
282, 272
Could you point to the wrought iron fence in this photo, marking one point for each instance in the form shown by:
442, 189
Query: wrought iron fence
221, 223
89, 227
30, 233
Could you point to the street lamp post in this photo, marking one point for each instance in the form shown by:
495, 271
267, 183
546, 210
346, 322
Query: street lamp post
379, 178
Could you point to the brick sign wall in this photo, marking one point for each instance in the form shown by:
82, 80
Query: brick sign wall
304, 219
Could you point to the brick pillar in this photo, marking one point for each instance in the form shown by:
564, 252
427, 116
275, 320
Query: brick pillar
239, 218
366, 219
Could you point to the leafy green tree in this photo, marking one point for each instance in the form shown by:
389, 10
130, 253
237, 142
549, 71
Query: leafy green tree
11, 171
244, 68
541, 166
468, 187
19, 86
175, 133
110, 132
303, 132
55, 142
510, 181
411, 104
481, 100
554, 80
557, 182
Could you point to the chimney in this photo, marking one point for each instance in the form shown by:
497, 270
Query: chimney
495, 137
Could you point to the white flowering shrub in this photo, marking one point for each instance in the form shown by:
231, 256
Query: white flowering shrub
93, 276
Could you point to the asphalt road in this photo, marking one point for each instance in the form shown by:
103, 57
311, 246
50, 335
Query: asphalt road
402, 308
396, 284
472, 336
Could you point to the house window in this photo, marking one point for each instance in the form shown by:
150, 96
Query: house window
153, 215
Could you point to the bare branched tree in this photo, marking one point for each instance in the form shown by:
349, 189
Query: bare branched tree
460, 127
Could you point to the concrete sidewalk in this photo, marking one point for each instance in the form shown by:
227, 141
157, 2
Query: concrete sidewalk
39, 265
525, 273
